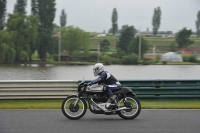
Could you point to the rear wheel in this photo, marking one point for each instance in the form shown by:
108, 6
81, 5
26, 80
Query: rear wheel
133, 107
72, 111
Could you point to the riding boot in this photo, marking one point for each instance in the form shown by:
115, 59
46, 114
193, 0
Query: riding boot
111, 103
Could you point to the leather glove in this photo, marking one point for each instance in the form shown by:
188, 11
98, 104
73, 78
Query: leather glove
89, 83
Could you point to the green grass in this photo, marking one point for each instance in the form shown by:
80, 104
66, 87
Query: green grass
171, 104
146, 104
178, 63
30, 104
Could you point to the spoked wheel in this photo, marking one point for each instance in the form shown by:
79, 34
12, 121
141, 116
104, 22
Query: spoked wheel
72, 111
133, 108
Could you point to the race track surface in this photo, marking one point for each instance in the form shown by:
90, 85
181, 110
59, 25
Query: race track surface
53, 121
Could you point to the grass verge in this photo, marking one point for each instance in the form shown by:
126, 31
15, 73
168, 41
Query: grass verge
146, 104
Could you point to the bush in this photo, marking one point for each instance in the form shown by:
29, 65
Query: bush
55, 57
116, 61
185, 58
147, 61
120, 53
190, 58
23, 56
93, 57
108, 59
10, 56
130, 59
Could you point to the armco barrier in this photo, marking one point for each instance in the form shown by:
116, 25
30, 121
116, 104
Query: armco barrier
37, 89
164, 88
56, 89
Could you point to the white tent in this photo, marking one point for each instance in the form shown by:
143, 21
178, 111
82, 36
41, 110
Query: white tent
171, 57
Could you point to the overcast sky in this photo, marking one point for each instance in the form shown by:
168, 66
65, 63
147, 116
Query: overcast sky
95, 15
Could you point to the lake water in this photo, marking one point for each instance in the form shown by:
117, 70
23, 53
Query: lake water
77, 72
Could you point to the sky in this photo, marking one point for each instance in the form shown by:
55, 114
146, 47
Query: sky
95, 15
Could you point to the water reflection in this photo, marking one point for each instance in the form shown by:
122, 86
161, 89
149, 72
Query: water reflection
122, 72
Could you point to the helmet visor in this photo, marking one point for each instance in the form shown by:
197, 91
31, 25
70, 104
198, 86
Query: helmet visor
95, 71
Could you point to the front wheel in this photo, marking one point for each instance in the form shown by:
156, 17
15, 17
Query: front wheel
72, 111
133, 107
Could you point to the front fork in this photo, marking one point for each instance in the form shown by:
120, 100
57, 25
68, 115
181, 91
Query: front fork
76, 100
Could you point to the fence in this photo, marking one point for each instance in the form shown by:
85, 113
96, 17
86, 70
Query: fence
56, 89
37, 89
165, 88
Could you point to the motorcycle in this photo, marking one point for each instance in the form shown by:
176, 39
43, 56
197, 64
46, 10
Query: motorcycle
127, 106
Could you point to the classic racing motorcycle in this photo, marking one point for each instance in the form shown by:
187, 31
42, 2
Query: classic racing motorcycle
127, 105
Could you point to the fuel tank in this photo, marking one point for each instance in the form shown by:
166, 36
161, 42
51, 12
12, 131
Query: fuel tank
95, 88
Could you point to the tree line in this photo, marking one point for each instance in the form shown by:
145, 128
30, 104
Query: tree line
182, 37
156, 22
24, 34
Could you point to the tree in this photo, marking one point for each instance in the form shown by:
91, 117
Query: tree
156, 20
63, 18
123, 27
74, 39
111, 30
16, 25
55, 26
34, 7
114, 21
34, 12
134, 46
20, 6
198, 24
2, 13
7, 51
182, 38
24, 31
32, 21
104, 45
125, 38
46, 12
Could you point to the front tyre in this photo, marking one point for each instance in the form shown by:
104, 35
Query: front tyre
133, 105
72, 111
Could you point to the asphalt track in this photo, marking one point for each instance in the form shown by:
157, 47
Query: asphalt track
53, 121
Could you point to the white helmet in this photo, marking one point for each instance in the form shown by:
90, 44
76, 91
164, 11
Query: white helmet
98, 68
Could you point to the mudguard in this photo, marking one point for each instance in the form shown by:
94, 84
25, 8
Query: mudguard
125, 90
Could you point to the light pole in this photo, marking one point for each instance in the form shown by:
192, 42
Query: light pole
139, 50
154, 53
59, 47
139, 46
98, 52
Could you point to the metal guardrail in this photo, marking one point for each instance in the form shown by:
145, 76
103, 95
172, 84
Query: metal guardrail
37, 89
56, 89
165, 88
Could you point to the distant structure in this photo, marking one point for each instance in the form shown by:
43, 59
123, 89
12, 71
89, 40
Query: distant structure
171, 57
101, 35
150, 33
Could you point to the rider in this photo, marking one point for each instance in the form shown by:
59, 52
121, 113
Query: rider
111, 83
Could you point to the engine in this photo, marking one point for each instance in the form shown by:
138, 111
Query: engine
97, 98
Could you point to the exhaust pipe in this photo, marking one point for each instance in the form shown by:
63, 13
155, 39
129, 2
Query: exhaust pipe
123, 108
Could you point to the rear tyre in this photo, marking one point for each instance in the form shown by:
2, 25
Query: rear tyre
72, 111
133, 105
